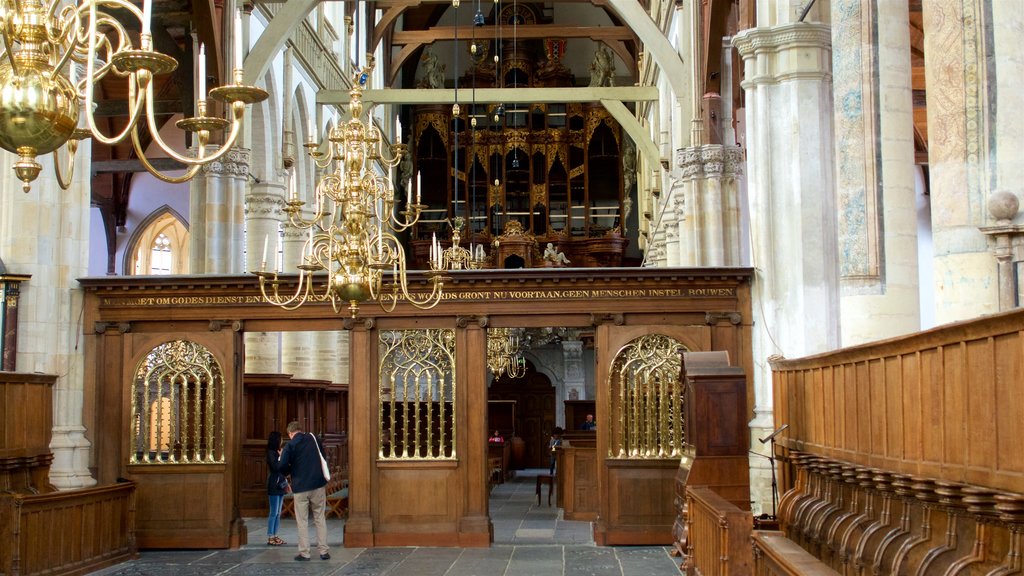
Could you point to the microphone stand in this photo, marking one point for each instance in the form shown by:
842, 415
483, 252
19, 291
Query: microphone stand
775, 483
771, 463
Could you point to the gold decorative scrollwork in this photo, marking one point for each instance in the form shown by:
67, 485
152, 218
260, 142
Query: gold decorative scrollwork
539, 195
594, 118
177, 406
437, 120
416, 392
646, 400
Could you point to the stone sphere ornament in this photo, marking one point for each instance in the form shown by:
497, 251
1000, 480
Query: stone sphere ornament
1003, 205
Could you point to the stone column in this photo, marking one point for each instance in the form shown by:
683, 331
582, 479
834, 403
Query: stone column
45, 234
216, 214
296, 347
710, 225
572, 362
795, 288
971, 145
875, 170
263, 214
341, 367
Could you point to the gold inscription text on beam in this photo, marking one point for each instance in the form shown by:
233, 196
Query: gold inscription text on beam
541, 294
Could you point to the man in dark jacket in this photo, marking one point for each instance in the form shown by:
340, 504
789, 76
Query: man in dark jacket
301, 459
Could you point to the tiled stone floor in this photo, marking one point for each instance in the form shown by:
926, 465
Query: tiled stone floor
529, 540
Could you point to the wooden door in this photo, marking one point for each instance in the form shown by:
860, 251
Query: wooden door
535, 413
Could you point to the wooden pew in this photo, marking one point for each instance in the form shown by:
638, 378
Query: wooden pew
903, 456
43, 531
71, 532
719, 542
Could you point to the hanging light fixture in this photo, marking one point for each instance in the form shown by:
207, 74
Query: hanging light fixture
42, 97
504, 354
352, 233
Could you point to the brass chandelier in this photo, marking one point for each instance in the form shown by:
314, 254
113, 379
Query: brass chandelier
352, 231
504, 353
42, 95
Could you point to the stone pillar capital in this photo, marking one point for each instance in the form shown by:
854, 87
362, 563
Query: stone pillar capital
710, 160
786, 52
234, 163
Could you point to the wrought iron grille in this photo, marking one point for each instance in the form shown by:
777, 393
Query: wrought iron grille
646, 400
416, 411
178, 400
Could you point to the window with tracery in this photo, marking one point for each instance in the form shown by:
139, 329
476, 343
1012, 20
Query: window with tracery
416, 410
161, 247
178, 403
160, 255
647, 399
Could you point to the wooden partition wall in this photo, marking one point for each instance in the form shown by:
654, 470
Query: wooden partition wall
399, 501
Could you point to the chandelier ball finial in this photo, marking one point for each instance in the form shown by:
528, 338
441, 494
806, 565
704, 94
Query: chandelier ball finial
37, 111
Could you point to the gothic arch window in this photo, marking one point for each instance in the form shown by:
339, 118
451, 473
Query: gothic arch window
161, 246
178, 402
647, 412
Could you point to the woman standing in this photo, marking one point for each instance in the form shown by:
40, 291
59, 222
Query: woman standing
277, 487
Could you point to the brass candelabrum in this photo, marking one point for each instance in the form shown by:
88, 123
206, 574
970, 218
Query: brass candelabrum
456, 257
352, 231
42, 97
504, 353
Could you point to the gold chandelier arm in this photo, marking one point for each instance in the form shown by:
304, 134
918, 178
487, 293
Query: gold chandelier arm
72, 148
189, 173
8, 45
302, 290
238, 108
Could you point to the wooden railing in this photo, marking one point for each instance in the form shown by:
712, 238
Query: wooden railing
72, 532
903, 456
718, 542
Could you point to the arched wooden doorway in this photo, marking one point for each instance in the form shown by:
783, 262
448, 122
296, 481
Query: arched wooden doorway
534, 395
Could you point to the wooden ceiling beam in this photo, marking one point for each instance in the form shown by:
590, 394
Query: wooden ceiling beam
133, 166
523, 32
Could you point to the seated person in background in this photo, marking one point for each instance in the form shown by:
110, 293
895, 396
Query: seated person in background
589, 424
496, 438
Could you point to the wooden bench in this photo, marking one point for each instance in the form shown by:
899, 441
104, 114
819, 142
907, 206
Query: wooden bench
337, 499
774, 554
545, 479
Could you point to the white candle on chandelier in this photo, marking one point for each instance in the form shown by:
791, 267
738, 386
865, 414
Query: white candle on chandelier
293, 193
266, 243
418, 186
398, 129
238, 40
312, 128
147, 15
202, 72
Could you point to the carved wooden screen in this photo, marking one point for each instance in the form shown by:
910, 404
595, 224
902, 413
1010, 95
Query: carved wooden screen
178, 396
646, 400
417, 395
